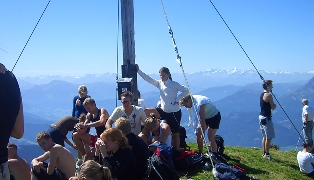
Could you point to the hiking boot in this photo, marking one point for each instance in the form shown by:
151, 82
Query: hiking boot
267, 157
78, 163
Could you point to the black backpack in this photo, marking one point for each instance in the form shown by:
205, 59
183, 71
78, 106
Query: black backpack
160, 168
182, 135
189, 161
220, 144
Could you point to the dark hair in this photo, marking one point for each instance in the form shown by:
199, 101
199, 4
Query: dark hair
127, 94
267, 83
307, 144
166, 71
43, 135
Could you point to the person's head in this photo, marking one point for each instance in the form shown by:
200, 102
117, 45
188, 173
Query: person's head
186, 101
126, 99
114, 139
165, 74
305, 102
44, 140
82, 117
151, 122
307, 146
12, 150
123, 125
91, 170
90, 105
82, 90
268, 84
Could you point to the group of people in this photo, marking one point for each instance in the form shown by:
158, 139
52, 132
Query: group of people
119, 152
305, 157
122, 152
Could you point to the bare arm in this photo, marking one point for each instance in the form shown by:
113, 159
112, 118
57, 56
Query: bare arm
109, 124
70, 143
269, 98
202, 117
53, 160
102, 120
18, 129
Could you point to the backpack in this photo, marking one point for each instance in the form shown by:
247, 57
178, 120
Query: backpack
189, 161
225, 172
220, 144
160, 168
182, 135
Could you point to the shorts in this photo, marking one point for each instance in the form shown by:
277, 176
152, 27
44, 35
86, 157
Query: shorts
43, 175
267, 127
173, 119
93, 139
4, 171
56, 136
214, 122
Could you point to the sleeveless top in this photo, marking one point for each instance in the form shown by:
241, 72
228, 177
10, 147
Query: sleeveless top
265, 107
99, 129
169, 139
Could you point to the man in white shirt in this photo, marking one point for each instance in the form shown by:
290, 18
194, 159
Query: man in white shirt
133, 113
307, 119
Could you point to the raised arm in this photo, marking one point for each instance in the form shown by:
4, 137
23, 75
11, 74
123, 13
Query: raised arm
146, 77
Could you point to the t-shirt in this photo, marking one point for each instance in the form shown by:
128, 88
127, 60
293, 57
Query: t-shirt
305, 159
136, 117
65, 124
10, 96
309, 111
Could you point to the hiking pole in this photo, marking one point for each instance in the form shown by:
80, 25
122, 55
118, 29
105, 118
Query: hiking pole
299, 139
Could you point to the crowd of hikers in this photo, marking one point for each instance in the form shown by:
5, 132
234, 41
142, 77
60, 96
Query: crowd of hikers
127, 138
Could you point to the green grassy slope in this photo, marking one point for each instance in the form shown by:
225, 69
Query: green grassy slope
283, 166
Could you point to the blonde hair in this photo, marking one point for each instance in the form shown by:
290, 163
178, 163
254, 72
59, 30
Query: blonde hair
115, 134
89, 101
82, 89
150, 122
123, 125
93, 170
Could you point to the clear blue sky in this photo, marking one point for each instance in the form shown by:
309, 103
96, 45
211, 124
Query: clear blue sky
77, 37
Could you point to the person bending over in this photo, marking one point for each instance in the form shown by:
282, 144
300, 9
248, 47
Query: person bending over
209, 119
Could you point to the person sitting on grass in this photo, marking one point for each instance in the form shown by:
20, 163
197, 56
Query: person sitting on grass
61, 165
306, 159
91, 170
156, 131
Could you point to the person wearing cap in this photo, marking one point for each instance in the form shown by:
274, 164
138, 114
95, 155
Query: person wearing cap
19, 167
156, 131
11, 115
307, 119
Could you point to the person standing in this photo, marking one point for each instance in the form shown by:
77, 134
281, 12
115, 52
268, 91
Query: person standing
265, 119
169, 101
79, 109
209, 119
11, 116
19, 167
78, 100
307, 119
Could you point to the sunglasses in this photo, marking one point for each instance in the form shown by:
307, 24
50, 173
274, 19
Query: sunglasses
125, 102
